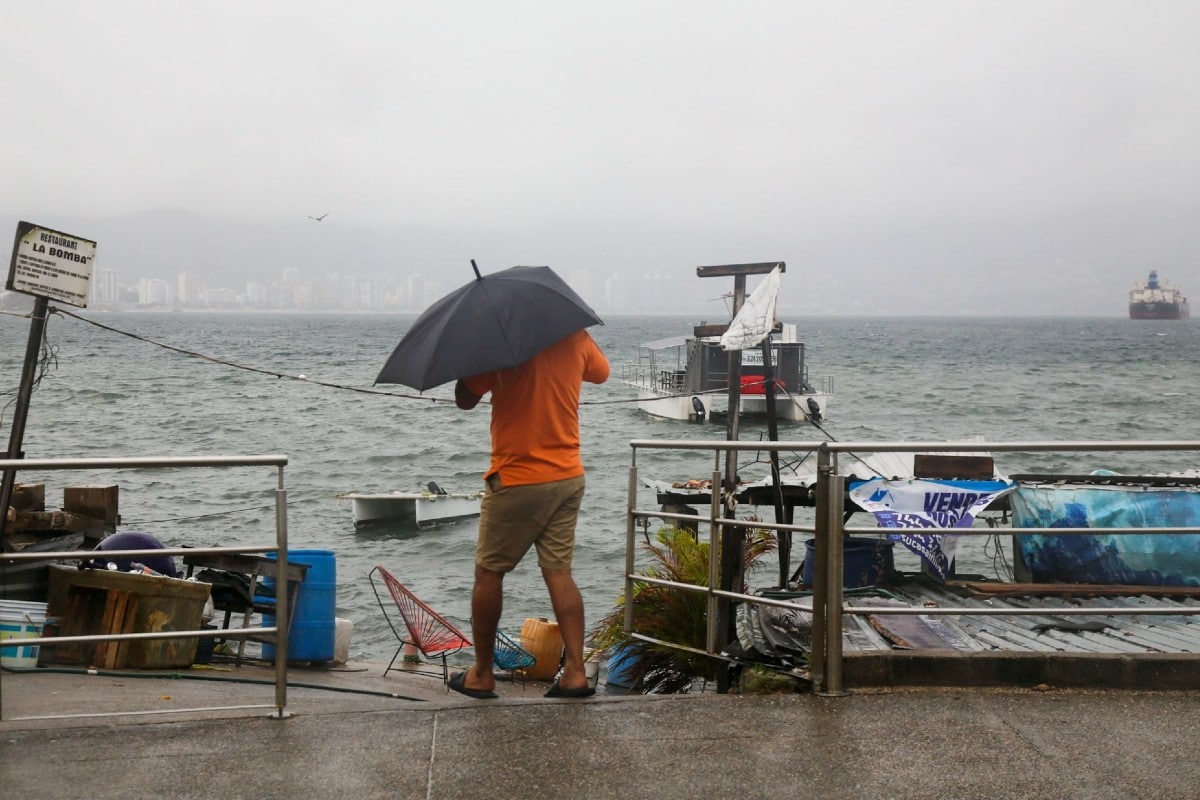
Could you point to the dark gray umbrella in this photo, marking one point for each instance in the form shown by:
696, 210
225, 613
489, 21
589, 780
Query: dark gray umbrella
496, 321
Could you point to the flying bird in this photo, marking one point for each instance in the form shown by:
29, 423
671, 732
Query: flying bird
318, 219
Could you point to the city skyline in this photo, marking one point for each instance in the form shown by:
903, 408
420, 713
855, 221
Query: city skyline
292, 291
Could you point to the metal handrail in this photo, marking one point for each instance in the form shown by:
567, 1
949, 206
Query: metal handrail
828, 601
280, 548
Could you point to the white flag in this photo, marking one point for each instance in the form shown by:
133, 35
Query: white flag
755, 318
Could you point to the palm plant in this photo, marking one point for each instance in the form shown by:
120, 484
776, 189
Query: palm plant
671, 615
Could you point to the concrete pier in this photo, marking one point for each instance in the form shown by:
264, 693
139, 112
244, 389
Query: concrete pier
357, 734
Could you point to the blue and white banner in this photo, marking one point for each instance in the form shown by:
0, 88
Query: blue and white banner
927, 504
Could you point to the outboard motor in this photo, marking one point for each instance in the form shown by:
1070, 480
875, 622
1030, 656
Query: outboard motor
814, 410
698, 408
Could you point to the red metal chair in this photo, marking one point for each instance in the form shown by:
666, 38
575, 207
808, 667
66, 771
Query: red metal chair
431, 633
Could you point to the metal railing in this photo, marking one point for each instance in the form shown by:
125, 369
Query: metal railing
828, 530
280, 548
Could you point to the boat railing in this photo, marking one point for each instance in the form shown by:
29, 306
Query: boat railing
823, 384
828, 531
637, 374
671, 380
650, 375
279, 548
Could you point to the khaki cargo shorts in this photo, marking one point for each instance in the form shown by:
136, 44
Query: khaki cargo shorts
514, 518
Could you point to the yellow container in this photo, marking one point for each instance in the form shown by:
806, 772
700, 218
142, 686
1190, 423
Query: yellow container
541, 638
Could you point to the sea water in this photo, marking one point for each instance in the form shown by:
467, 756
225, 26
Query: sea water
126, 390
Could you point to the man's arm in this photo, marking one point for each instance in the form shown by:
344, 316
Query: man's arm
597, 369
464, 398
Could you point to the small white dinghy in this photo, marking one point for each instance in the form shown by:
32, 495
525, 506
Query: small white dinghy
422, 509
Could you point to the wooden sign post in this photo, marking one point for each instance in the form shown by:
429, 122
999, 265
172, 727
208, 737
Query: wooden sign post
50, 265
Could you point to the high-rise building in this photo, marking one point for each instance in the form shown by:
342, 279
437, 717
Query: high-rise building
581, 282
106, 291
185, 289
616, 293
415, 293
154, 292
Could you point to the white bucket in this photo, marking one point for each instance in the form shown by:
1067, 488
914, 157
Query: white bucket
343, 629
20, 619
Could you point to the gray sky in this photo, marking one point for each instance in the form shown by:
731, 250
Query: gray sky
902, 157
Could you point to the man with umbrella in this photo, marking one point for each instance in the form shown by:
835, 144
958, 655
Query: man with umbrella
519, 334
534, 488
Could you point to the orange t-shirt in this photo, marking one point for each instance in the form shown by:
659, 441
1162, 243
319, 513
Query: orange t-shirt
535, 411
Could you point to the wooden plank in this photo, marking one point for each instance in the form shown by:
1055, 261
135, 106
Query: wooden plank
73, 623
727, 270
106, 652
702, 331
119, 609
716, 329
29, 497
908, 632
949, 467
997, 589
53, 521
93, 501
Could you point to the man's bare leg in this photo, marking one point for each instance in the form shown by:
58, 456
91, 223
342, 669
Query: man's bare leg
487, 602
568, 611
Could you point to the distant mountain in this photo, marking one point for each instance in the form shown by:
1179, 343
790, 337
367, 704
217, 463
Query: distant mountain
162, 244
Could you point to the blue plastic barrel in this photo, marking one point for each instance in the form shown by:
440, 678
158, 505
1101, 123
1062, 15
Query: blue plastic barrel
865, 562
311, 637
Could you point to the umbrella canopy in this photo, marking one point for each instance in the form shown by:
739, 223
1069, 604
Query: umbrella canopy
496, 321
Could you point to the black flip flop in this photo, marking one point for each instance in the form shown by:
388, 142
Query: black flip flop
558, 691
458, 682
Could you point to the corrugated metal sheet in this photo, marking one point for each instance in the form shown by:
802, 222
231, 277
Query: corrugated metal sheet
1045, 632
1048, 632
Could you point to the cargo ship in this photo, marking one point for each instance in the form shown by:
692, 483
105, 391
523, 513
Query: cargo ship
1154, 300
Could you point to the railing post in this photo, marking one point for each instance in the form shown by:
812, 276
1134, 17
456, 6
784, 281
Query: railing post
630, 534
834, 686
820, 568
283, 609
283, 599
714, 571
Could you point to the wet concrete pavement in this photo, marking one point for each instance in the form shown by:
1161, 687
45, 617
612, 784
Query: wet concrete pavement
357, 734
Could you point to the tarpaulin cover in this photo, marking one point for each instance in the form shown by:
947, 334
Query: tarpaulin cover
1136, 559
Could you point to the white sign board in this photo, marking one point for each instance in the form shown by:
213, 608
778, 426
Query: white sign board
51, 264
753, 358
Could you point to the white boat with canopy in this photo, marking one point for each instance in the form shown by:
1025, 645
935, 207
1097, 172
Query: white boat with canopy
426, 508
688, 377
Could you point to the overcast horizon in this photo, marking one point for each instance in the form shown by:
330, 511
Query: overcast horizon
925, 158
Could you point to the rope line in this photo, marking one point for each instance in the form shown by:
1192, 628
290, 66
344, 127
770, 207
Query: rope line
48, 357
362, 390
219, 513
235, 365
327, 384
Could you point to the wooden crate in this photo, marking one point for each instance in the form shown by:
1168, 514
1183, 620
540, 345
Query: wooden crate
91, 602
98, 502
29, 497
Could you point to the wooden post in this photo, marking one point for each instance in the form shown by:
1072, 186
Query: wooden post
732, 538
784, 538
96, 501
37, 333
